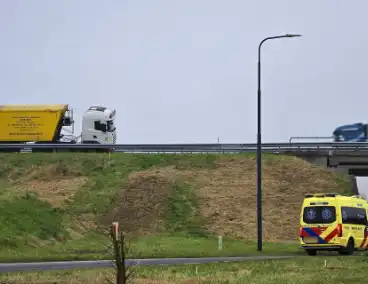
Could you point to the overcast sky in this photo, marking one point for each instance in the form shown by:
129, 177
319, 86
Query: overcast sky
183, 71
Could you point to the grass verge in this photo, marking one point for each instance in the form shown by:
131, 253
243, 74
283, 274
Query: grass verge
316, 270
148, 247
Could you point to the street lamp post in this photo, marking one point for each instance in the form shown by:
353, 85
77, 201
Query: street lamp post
259, 142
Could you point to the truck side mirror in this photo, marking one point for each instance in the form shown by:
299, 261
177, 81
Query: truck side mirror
103, 127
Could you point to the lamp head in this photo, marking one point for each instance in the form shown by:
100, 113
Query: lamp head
292, 35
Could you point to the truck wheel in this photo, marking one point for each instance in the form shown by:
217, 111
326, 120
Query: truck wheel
311, 251
349, 250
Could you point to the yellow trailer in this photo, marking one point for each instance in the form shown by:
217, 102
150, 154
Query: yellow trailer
26, 123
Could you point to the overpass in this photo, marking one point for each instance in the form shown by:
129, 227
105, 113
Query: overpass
356, 162
353, 162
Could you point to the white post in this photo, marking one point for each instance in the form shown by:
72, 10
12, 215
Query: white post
219, 242
109, 162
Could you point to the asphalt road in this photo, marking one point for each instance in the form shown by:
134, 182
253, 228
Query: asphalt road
42, 266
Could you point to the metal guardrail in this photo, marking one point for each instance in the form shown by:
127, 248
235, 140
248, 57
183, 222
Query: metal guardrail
309, 138
204, 148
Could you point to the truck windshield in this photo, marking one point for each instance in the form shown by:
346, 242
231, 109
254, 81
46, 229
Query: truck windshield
110, 126
342, 136
349, 134
319, 214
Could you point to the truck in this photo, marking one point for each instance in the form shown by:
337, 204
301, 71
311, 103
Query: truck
54, 124
355, 132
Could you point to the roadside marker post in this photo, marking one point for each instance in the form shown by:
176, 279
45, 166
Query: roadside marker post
219, 242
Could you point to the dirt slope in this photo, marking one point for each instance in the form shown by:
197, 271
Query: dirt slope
153, 193
229, 195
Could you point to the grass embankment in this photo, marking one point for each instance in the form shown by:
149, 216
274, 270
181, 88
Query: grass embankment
301, 270
53, 205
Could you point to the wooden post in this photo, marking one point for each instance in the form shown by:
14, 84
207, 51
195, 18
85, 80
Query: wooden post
117, 237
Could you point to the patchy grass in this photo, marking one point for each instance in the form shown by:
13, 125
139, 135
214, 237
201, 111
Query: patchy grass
54, 201
300, 270
31, 217
183, 211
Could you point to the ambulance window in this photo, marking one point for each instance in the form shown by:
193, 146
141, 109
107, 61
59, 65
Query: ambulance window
354, 216
319, 214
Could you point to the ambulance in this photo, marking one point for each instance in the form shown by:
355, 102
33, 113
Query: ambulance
332, 222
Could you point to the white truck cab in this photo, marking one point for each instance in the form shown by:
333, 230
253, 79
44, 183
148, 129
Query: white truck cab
98, 125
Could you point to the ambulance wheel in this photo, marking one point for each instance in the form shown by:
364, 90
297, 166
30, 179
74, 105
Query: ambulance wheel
311, 251
349, 250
